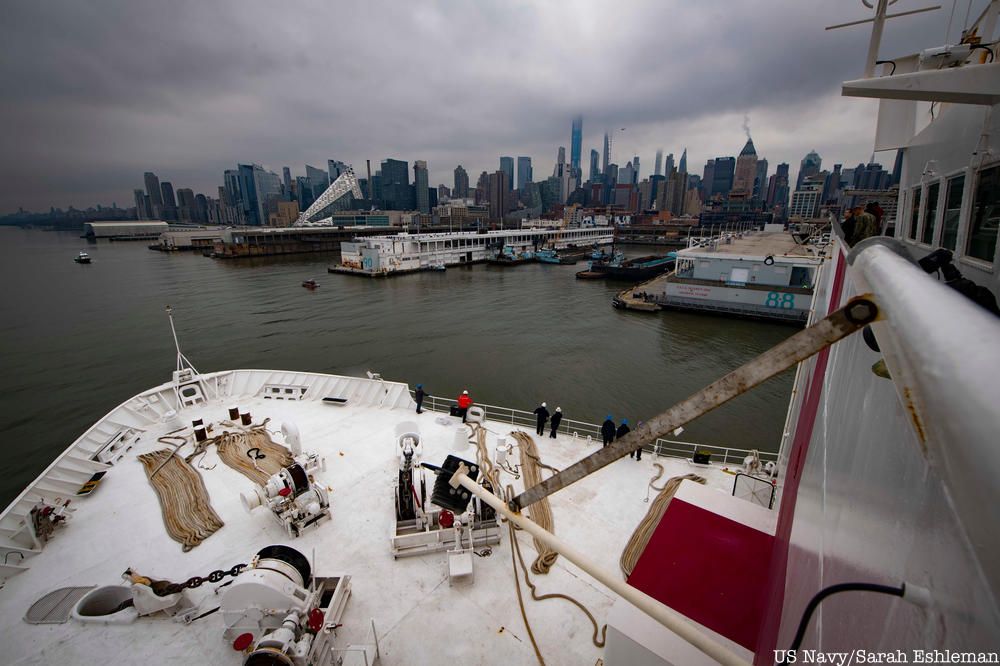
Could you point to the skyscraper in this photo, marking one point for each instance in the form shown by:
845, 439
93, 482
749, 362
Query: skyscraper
420, 186
809, 166
396, 191
153, 190
524, 175
498, 188
286, 180
461, 189
683, 164
760, 181
722, 175
668, 165
576, 143
319, 178
595, 168
507, 166
659, 162
607, 155
707, 178
777, 192
335, 168
187, 208
746, 169
635, 169
169, 202
142, 207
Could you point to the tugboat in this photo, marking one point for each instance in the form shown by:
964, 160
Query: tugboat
82, 258
510, 256
310, 284
549, 256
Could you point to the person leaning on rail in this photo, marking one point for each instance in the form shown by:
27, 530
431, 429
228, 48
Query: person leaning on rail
608, 430
464, 402
541, 416
556, 420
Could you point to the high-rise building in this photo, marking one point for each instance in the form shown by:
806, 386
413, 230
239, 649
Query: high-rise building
809, 166
443, 192
286, 181
396, 191
668, 165
806, 200
187, 207
777, 192
658, 164
319, 178
576, 143
607, 155
626, 175
722, 175
524, 175
507, 166
683, 164
169, 202
334, 168
707, 178
760, 180
143, 210
420, 187
595, 169
746, 169
461, 189
498, 194
635, 170
153, 190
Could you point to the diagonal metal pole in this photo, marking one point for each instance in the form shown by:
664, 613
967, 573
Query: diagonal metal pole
859, 312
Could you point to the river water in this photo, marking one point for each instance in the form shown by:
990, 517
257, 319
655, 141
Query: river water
77, 340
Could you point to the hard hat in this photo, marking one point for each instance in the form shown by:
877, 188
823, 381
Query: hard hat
543, 404
420, 385
558, 409
609, 417
465, 393
624, 421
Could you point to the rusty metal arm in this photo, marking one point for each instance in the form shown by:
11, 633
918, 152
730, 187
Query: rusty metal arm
859, 312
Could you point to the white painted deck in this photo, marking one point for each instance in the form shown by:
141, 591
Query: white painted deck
419, 618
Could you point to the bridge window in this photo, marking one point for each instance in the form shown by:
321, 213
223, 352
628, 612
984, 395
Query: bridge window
952, 209
930, 213
982, 243
914, 214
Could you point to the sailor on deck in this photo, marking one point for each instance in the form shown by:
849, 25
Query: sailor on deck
541, 416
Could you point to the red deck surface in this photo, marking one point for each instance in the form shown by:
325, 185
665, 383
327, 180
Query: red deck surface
709, 568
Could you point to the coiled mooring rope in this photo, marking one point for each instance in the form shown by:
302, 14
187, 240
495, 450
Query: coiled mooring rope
644, 531
234, 450
540, 512
187, 513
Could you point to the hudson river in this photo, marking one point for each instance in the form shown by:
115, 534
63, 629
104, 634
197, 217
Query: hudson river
76, 340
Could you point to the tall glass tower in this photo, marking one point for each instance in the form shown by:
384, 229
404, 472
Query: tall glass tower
575, 144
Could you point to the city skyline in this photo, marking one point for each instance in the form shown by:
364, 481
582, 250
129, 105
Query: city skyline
207, 102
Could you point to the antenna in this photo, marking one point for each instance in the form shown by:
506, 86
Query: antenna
878, 22
182, 360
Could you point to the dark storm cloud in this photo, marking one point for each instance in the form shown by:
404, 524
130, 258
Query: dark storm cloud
96, 93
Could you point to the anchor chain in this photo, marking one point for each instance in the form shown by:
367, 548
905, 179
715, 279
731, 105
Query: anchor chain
198, 581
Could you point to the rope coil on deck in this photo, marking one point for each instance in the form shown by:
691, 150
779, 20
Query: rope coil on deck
540, 512
187, 513
234, 447
644, 530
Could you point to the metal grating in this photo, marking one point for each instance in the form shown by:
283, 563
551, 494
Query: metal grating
55, 607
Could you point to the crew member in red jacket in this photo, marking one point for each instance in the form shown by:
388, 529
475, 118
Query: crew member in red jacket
464, 402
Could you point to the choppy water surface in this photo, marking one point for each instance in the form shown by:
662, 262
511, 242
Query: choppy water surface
77, 340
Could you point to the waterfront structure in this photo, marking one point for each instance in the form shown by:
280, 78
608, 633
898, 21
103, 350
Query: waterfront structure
766, 275
524, 172
576, 143
404, 253
809, 166
124, 229
421, 188
461, 189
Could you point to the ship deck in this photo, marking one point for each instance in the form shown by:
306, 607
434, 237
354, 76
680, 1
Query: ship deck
418, 616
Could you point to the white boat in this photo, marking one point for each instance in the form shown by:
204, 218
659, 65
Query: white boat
82, 258
312, 533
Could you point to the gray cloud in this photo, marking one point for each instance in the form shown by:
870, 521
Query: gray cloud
97, 93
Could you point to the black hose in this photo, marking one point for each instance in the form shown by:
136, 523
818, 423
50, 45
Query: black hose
820, 596
985, 48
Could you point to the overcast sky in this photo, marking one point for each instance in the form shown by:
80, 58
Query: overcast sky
96, 93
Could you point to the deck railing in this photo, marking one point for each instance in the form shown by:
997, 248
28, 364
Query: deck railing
669, 448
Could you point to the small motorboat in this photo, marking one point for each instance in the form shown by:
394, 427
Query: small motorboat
82, 258
310, 284
438, 267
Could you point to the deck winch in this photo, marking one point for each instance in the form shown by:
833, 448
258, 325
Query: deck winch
293, 496
279, 612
